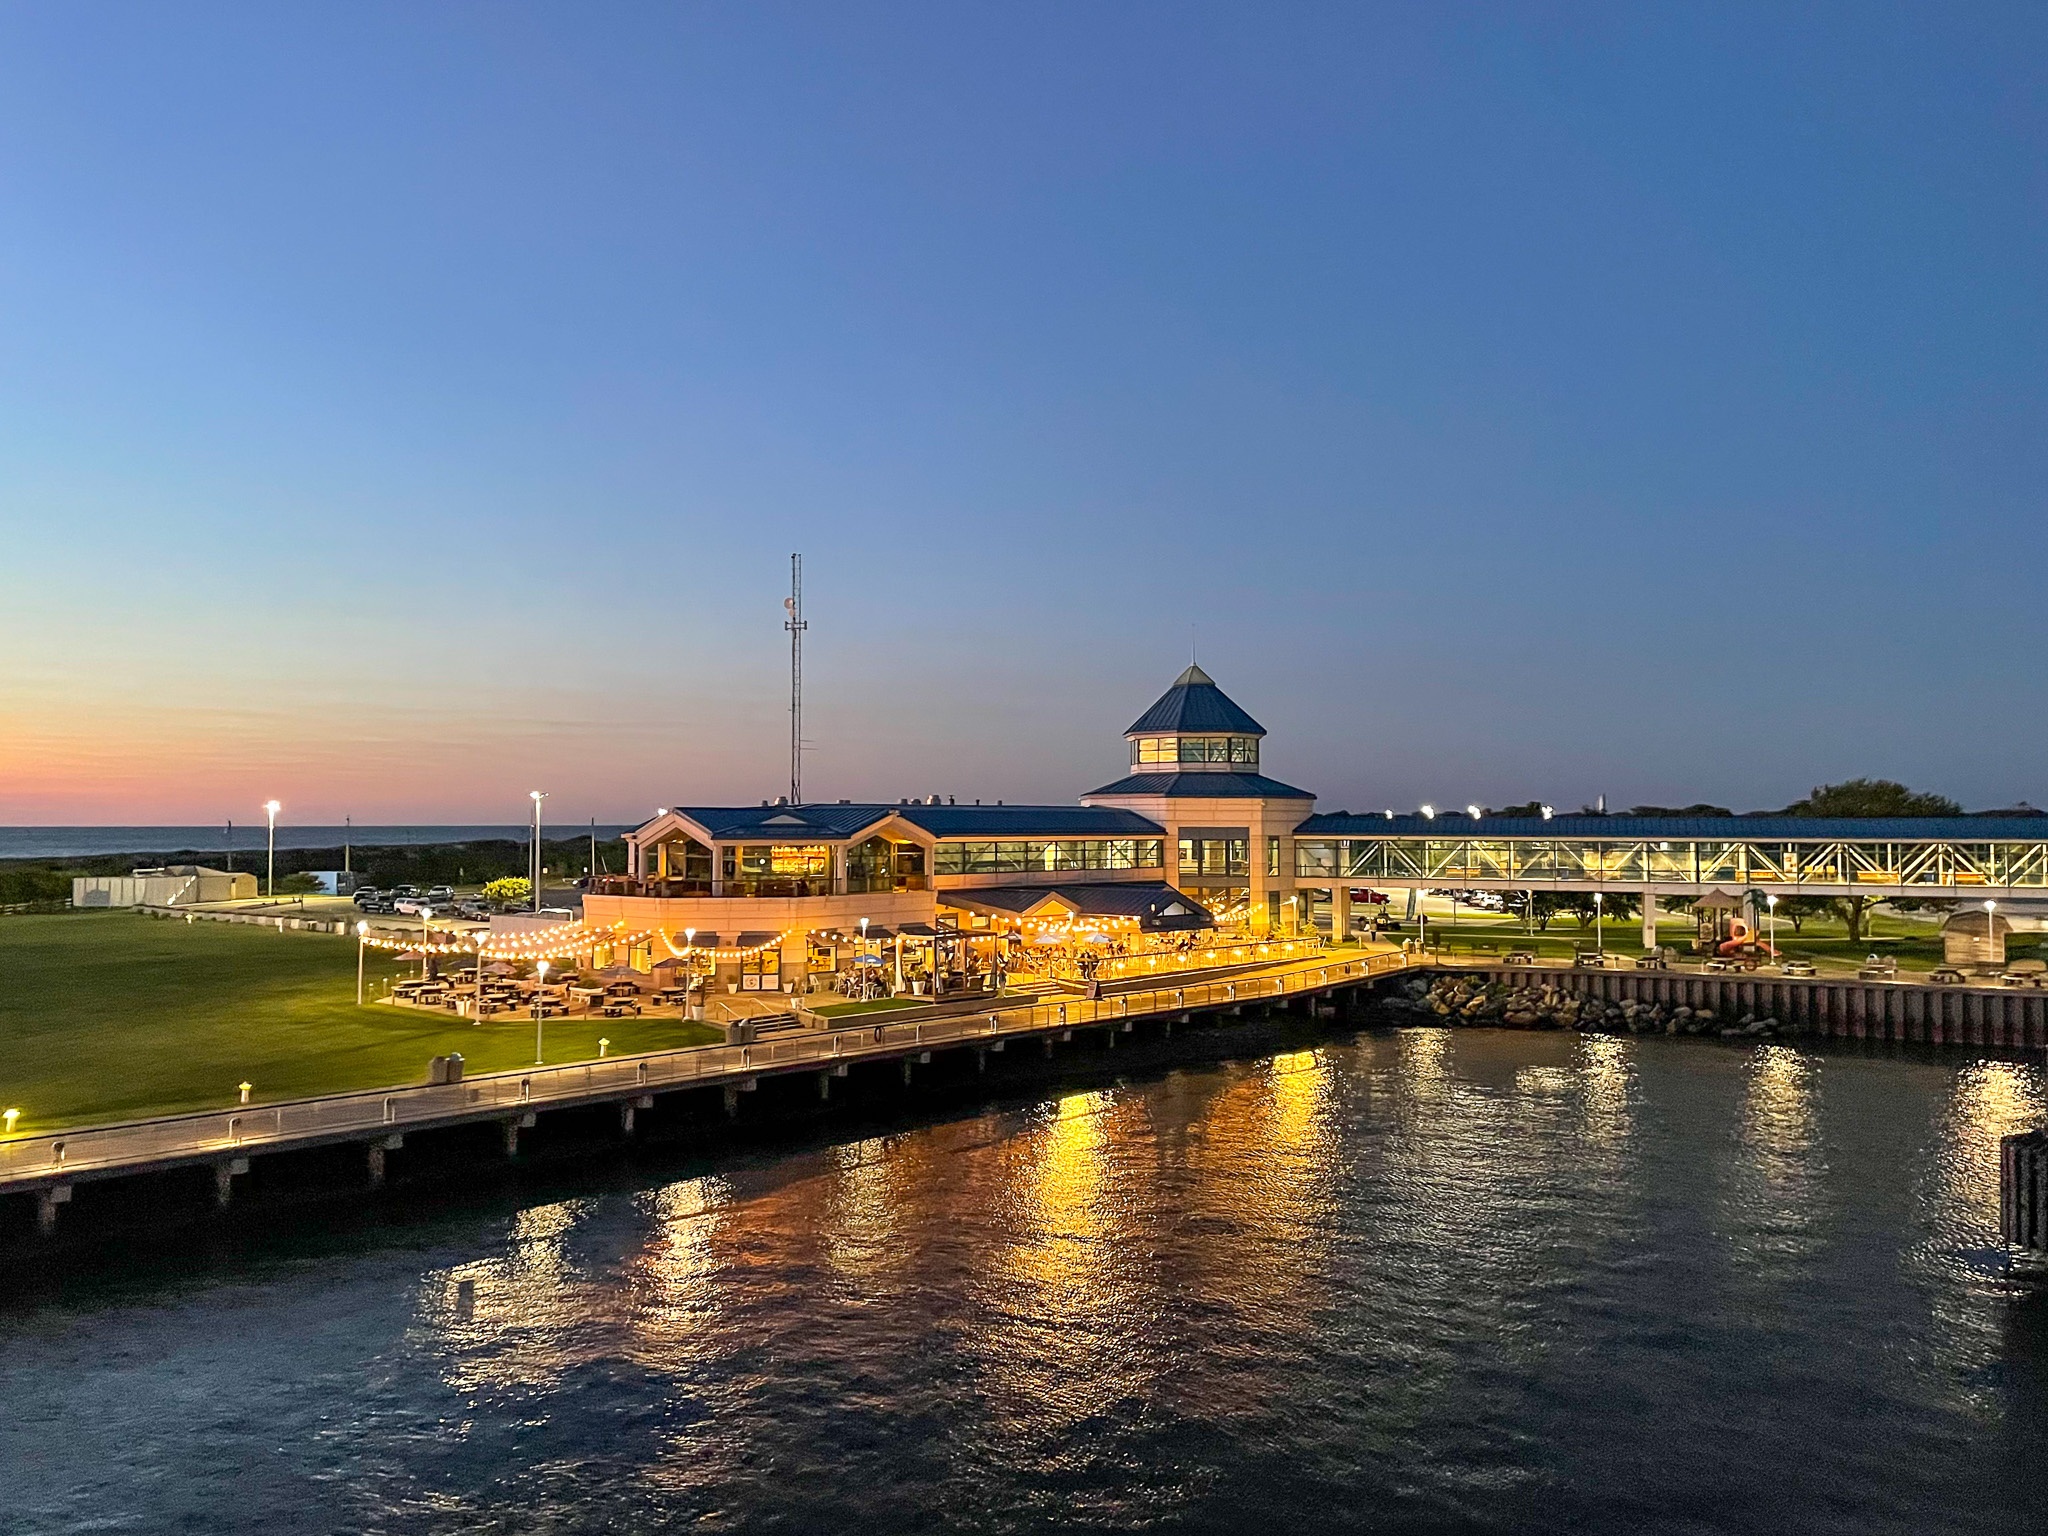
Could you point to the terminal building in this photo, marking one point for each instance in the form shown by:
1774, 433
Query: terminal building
1196, 837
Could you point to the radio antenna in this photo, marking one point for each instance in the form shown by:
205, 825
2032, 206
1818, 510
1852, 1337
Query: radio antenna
796, 626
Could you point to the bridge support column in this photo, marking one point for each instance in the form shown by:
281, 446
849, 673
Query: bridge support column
824, 1085
224, 1179
512, 1130
1649, 917
374, 1156
47, 1201
1048, 1047
1340, 912
626, 1119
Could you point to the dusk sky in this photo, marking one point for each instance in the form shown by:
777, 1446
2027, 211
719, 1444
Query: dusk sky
403, 407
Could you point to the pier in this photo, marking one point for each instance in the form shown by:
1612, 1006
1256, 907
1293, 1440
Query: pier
49, 1167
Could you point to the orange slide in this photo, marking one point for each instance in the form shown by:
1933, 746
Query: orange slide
1740, 937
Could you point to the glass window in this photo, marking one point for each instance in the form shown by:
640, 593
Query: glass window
1272, 855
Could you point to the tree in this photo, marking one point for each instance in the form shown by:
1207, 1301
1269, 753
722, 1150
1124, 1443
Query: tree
1530, 808
1797, 909
1869, 798
1872, 797
1538, 906
509, 891
301, 884
1618, 905
1699, 809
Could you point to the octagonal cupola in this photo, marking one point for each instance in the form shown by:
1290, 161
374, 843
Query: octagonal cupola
1195, 727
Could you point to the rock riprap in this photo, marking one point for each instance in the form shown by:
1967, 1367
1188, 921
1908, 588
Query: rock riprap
1473, 1000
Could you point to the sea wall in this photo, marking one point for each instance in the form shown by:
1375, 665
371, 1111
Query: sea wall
1683, 1002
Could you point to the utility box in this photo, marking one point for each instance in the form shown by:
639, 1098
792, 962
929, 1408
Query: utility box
442, 1070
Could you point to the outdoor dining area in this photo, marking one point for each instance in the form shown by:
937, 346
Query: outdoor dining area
541, 988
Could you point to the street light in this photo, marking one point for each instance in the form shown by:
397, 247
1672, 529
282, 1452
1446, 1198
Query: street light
1990, 930
1771, 926
539, 1011
1599, 932
271, 808
538, 796
362, 933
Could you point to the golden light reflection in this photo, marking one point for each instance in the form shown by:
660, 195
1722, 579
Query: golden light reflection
1988, 1100
673, 1275
863, 1219
1069, 1306
1605, 1077
1263, 1157
1778, 1112
509, 1320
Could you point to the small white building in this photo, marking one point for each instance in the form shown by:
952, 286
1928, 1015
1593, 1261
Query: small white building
176, 885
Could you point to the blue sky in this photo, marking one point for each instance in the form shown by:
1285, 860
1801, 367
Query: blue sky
403, 406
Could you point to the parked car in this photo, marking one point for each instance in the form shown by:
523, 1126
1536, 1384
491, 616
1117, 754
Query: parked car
366, 895
402, 890
379, 902
441, 895
412, 906
473, 911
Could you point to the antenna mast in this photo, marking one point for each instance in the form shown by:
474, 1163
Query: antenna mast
796, 626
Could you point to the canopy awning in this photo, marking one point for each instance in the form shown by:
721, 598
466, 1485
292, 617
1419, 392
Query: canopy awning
919, 931
702, 940
755, 940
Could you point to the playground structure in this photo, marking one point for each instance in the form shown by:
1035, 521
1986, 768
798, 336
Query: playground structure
1726, 932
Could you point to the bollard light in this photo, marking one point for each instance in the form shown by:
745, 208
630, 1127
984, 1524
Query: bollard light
10, 1116
603, 1045
245, 1092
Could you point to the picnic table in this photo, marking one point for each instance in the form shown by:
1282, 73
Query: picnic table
619, 1007
672, 997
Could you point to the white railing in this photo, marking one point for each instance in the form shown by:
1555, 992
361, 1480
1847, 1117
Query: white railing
274, 1127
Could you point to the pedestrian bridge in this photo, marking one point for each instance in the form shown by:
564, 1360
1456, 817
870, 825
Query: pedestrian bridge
1946, 856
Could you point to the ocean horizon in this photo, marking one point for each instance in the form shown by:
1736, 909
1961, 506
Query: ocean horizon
80, 842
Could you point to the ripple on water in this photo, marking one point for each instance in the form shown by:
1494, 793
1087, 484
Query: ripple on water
1423, 1279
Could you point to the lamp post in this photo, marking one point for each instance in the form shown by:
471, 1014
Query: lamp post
1600, 932
270, 809
1771, 926
1990, 930
539, 1012
538, 796
362, 933
426, 937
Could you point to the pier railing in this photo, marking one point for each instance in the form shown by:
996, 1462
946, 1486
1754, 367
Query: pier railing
37, 1160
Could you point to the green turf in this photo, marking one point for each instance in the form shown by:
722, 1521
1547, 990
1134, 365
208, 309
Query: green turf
1824, 941
876, 1005
114, 1016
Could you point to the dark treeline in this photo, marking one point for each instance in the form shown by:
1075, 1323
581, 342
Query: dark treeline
422, 864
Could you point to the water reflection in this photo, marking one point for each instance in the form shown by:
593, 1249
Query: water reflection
1605, 1078
1987, 1101
509, 1320
1776, 1184
1069, 1299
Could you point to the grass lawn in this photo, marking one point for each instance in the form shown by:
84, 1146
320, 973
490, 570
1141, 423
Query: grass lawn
114, 1016
1824, 941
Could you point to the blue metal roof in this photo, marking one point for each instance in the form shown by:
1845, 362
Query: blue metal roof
836, 823
1195, 703
1823, 829
1027, 821
785, 823
1205, 786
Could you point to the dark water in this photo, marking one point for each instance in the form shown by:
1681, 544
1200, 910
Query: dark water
1419, 1281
